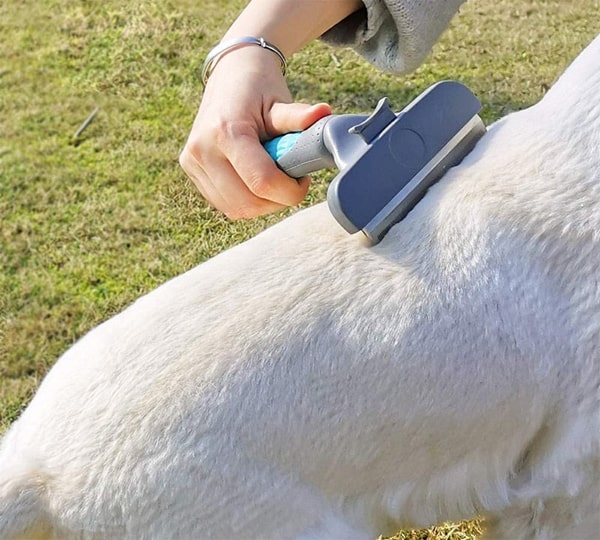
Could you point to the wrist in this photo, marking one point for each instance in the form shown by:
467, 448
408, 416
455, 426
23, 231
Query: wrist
290, 24
231, 45
250, 65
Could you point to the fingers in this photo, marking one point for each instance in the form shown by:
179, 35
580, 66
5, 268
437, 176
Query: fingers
243, 187
286, 117
234, 173
260, 174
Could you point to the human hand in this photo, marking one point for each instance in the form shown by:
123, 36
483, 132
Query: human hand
246, 101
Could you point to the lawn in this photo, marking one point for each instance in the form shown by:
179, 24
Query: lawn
91, 223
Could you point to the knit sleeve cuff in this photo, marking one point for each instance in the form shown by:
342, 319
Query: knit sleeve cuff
395, 35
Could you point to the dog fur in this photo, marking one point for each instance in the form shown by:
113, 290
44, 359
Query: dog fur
304, 385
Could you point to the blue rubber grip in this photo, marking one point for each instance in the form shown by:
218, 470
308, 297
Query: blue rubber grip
280, 146
299, 153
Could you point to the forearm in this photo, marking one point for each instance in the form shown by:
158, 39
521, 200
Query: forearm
396, 35
291, 24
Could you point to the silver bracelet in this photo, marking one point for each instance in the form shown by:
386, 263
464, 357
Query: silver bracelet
215, 54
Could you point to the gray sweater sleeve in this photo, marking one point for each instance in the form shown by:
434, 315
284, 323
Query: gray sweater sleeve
395, 35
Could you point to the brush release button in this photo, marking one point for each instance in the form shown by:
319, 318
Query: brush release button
408, 148
370, 128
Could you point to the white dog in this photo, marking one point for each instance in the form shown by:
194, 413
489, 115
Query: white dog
306, 385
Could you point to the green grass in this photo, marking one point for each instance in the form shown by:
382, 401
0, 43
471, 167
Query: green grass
89, 225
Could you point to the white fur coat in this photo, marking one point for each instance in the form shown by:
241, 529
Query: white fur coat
306, 386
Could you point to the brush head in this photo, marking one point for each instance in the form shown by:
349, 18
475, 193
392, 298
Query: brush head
396, 158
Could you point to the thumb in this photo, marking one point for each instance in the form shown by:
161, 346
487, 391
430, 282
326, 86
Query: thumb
286, 117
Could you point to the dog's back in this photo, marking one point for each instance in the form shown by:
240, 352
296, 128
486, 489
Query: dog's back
305, 385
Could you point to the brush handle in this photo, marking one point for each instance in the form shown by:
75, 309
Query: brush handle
301, 152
